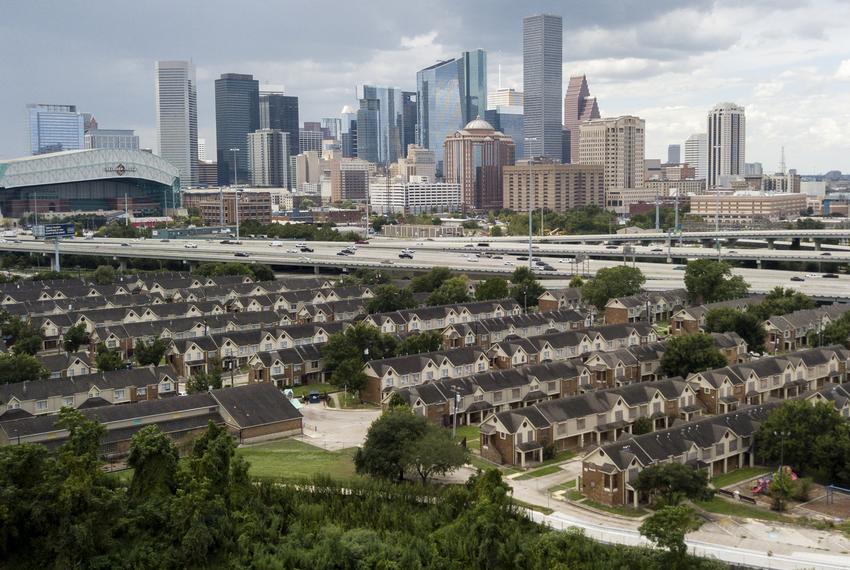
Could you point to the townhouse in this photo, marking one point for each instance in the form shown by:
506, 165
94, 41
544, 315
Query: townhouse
761, 380
791, 331
557, 299
519, 436
486, 331
837, 395
718, 444
252, 413
65, 365
692, 319
437, 318
37, 397
288, 367
651, 306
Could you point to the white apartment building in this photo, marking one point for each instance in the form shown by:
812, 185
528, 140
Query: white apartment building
418, 195
727, 127
618, 145
696, 154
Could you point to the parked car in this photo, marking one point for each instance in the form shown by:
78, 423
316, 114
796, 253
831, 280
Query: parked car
314, 397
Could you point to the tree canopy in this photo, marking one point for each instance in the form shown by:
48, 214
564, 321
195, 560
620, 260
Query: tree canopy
689, 353
452, 290
108, 359
671, 483
22, 367
346, 352
390, 298
746, 324
428, 282
493, 288
667, 528
75, 337
151, 352
710, 280
525, 288
612, 282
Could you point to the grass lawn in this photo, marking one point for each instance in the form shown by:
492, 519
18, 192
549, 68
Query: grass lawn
289, 458
571, 484
737, 476
473, 441
124, 475
538, 508
574, 495
559, 458
622, 511
480, 463
548, 470
723, 507
305, 389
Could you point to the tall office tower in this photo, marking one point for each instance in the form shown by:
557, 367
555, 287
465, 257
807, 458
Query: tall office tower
542, 59
674, 154
55, 127
333, 126
348, 136
380, 135
753, 169
313, 126
89, 122
726, 142
508, 119
474, 157
269, 158
504, 98
309, 139
280, 112
449, 95
177, 117
617, 144
579, 106
112, 138
409, 126
237, 113
696, 154
202, 149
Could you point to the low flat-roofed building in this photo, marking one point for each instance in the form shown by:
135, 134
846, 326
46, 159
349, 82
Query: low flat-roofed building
742, 206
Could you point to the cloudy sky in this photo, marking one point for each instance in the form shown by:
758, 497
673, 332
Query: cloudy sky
667, 61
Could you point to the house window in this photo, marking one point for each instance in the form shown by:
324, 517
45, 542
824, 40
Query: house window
141, 391
276, 370
550, 386
120, 394
68, 402
445, 373
719, 449
481, 367
458, 370
497, 396
515, 393
580, 423
429, 375
41, 406
165, 387
562, 428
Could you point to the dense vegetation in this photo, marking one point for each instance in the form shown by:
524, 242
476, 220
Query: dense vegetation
709, 280
612, 282
690, 353
62, 511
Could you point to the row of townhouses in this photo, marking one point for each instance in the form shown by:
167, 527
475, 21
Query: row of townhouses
791, 331
436, 318
652, 306
692, 319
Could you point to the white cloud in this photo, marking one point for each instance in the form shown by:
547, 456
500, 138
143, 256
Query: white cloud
843, 71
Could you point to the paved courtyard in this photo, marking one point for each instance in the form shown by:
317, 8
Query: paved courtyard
335, 429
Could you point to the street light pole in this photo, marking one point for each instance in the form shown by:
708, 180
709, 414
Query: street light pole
454, 422
782, 435
235, 184
530, 199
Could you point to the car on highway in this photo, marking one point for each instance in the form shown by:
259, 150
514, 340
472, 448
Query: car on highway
362, 242
830, 276
304, 259
508, 262
495, 256
300, 244
407, 250
242, 254
811, 275
612, 247
305, 249
343, 253
797, 278
679, 268
404, 255
469, 245
190, 245
731, 251
125, 244
291, 250
275, 243
522, 258
657, 250
826, 253
471, 259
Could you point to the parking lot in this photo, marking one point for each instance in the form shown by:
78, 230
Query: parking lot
335, 429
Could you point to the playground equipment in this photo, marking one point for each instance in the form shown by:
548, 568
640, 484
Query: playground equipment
762, 484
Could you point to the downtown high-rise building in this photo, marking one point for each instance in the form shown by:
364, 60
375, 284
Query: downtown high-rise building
280, 112
237, 114
726, 143
177, 117
268, 156
618, 144
674, 154
53, 128
508, 97
202, 149
122, 139
348, 136
696, 154
579, 106
383, 126
542, 55
450, 94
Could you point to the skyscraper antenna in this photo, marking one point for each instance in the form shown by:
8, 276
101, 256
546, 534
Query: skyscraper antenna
782, 165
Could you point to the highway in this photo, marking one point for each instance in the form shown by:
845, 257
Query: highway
841, 234
383, 253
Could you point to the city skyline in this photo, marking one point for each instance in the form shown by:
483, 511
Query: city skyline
798, 101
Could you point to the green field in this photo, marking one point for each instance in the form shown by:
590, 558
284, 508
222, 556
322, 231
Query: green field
737, 476
305, 389
548, 470
288, 458
473, 441
722, 507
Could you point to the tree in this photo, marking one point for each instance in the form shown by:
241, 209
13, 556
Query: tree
147, 353
104, 275
29, 344
434, 453
153, 458
671, 483
781, 489
525, 288
454, 290
427, 341
346, 352
642, 425
201, 381
495, 231
262, 272
108, 359
390, 298
75, 337
494, 288
729, 319
691, 353
22, 367
428, 282
612, 282
385, 453
836, 332
667, 528
806, 437
781, 301
710, 280
576, 282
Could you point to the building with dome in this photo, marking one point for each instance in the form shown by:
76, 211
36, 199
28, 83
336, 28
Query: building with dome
474, 157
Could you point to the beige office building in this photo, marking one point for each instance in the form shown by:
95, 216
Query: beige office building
474, 158
670, 187
420, 162
618, 145
556, 187
746, 206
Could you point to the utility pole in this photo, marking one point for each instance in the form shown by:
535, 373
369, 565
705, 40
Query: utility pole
657, 212
236, 195
126, 212
530, 201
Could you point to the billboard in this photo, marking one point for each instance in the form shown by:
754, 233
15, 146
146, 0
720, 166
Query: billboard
50, 231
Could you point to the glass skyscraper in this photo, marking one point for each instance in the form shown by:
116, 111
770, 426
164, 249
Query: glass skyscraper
237, 113
449, 95
542, 58
381, 127
54, 128
177, 117
279, 111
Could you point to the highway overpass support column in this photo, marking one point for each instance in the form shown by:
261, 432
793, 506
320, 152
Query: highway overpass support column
708, 243
122, 265
758, 263
817, 244
795, 243
771, 243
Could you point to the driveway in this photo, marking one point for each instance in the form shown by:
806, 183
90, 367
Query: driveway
335, 429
